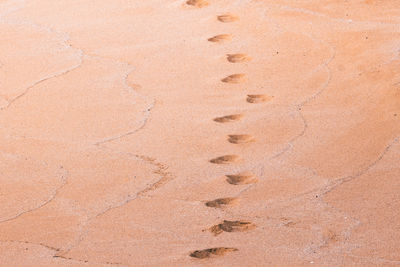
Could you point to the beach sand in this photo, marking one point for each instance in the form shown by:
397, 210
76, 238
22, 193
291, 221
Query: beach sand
199, 133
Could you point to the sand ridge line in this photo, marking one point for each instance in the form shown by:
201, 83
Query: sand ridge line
160, 170
30, 243
325, 16
338, 182
64, 181
86, 261
20, 5
324, 86
64, 38
317, 195
147, 113
55, 250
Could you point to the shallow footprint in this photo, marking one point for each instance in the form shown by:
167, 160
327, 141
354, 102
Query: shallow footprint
241, 178
221, 202
229, 118
220, 38
197, 3
225, 159
254, 99
228, 18
232, 226
240, 138
234, 78
210, 252
237, 58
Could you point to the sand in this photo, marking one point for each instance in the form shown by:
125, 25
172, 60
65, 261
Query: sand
199, 133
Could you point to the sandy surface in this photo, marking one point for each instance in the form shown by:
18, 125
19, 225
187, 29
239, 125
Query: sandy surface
140, 133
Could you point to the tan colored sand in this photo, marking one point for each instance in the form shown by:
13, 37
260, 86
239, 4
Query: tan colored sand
129, 129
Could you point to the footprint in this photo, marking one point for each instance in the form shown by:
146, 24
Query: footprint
254, 99
221, 202
197, 3
232, 226
240, 138
234, 78
210, 252
229, 118
225, 159
241, 178
228, 18
237, 58
220, 38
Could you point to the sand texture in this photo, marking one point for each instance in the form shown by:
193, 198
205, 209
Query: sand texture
199, 133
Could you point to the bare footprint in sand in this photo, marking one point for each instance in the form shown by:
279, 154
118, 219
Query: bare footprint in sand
197, 3
220, 38
240, 138
226, 18
229, 118
241, 178
232, 226
210, 252
238, 58
234, 78
225, 159
255, 99
222, 202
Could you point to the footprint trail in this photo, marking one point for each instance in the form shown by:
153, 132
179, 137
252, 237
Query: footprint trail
227, 18
241, 178
221, 202
229, 118
232, 226
220, 38
235, 78
240, 138
255, 99
211, 252
238, 58
197, 3
226, 159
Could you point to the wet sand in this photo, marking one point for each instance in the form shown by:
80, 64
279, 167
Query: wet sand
199, 133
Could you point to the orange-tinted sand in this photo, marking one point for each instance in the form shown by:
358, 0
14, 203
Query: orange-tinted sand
199, 133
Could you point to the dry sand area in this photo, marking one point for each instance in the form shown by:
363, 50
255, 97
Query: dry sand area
199, 133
